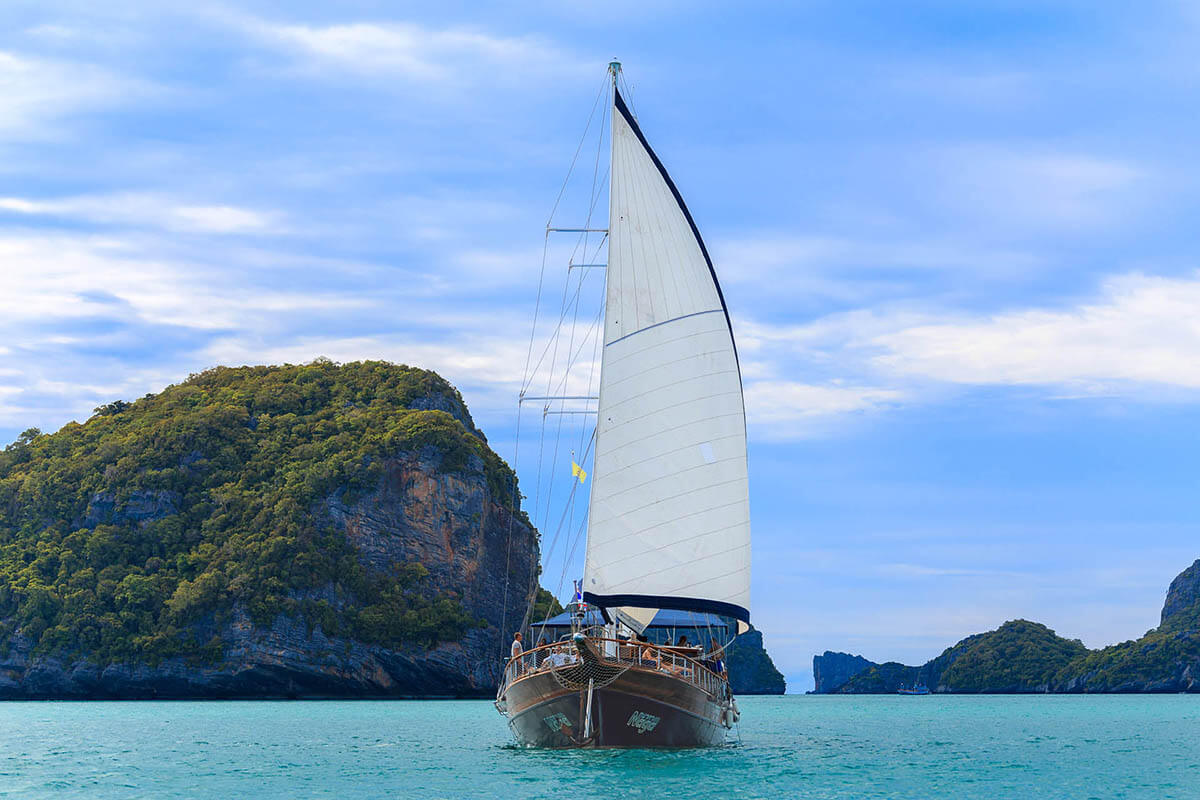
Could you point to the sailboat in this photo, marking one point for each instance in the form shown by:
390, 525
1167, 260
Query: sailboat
668, 526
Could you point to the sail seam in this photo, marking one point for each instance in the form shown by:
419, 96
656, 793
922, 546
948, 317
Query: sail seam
664, 322
673, 405
661, 478
707, 488
613, 449
671, 543
711, 510
617, 359
737, 571
643, 576
669, 453
647, 371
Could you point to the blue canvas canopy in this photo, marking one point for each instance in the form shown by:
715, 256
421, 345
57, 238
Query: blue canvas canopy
705, 630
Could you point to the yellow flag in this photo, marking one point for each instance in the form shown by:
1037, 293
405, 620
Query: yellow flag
578, 472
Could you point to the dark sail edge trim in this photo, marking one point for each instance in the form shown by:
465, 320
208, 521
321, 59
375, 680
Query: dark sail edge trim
719, 607
624, 109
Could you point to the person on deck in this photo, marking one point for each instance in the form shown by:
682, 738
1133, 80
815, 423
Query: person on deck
517, 649
648, 658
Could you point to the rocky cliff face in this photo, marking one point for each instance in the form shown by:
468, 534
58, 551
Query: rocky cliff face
751, 670
448, 522
471, 545
832, 670
1184, 593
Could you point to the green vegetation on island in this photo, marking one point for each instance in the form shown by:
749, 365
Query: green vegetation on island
1171, 649
136, 535
1023, 656
545, 606
1018, 656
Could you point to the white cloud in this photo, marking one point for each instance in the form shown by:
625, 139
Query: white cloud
1138, 339
220, 219
64, 276
447, 56
34, 92
1143, 330
473, 358
788, 409
484, 367
146, 209
75, 309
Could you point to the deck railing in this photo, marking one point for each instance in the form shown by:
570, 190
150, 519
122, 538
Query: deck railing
618, 652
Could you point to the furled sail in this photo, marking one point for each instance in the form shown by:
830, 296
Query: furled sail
669, 514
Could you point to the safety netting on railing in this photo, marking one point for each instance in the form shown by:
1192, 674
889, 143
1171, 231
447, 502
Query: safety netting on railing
608, 660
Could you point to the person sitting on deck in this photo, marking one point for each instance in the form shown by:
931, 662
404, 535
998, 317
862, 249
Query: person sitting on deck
673, 664
559, 657
648, 656
548, 658
683, 642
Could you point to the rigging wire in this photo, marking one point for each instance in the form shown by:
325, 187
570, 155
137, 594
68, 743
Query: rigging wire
574, 540
578, 150
549, 342
561, 522
556, 336
525, 380
593, 200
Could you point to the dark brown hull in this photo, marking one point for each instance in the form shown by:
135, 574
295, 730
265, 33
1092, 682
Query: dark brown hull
640, 708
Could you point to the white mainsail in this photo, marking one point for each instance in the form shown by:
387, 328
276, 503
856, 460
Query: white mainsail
669, 514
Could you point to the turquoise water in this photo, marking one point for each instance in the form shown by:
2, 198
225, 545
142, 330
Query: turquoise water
791, 747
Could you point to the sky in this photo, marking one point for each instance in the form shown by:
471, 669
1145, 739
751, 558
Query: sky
957, 241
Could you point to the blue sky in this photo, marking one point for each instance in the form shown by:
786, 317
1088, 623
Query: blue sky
957, 240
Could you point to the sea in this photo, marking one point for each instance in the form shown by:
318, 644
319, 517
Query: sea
992, 747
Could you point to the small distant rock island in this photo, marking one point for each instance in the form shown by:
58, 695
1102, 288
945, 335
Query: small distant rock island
751, 670
1026, 657
319, 530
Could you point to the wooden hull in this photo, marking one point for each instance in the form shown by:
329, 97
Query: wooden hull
640, 708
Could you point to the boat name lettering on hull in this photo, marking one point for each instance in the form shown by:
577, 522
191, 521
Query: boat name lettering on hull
557, 722
642, 721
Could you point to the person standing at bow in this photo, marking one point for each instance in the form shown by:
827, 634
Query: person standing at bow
517, 649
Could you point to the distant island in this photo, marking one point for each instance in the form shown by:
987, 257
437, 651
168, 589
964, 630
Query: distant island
316, 530
1025, 657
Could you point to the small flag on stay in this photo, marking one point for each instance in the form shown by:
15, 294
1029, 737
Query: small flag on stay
578, 472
